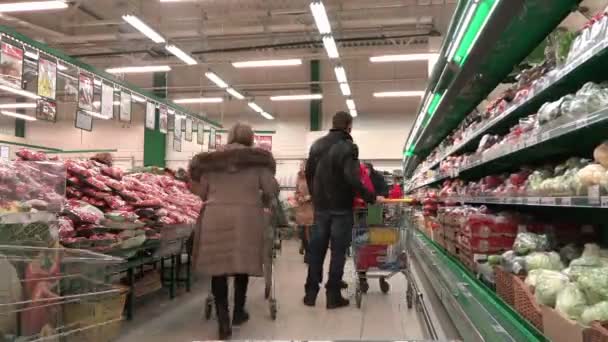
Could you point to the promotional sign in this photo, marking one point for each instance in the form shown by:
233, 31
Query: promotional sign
163, 119
47, 78
177, 145
85, 92
83, 121
263, 141
218, 140
170, 121
11, 65
107, 101
212, 141
125, 107
46, 110
200, 133
177, 127
97, 83
188, 136
150, 115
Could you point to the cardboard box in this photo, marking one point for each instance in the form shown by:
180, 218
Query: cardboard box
559, 328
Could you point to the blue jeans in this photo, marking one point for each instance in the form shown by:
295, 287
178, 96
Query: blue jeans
332, 229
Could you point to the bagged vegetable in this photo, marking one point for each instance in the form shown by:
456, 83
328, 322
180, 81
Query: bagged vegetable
530, 242
548, 285
596, 312
513, 263
571, 302
594, 283
532, 277
543, 260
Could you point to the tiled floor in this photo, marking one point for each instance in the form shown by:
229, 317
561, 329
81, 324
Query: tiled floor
382, 317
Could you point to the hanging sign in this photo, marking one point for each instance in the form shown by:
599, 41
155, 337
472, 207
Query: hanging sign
218, 140
212, 141
11, 65
125, 107
47, 78
107, 101
263, 142
177, 145
46, 110
97, 83
83, 121
85, 92
150, 115
177, 127
162, 118
200, 133
188, 133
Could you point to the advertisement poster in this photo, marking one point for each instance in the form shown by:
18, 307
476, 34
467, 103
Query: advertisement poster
170, 121
46, 110
47, 78
218, 140
163, 119
177, 145
107, 101
177, 127
150, 115
11, 65
200, 133
97, 83
83, 121
125, 107
212, 141
188, 136
263, 142
85, 92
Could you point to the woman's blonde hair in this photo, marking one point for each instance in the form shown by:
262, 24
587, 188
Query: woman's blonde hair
241, 134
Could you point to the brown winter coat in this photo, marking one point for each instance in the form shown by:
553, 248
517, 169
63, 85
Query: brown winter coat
236, 184
304, 210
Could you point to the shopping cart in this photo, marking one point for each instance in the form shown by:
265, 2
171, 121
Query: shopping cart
378, 245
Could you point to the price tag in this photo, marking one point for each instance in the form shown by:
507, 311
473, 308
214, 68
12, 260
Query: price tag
604, 201
547, 200
533, 200
566, 201
593, 195
545, 136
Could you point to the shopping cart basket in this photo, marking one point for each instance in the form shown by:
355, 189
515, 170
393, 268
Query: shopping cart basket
378, 245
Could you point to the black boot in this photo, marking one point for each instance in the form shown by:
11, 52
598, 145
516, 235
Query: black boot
335, 300
240, 297
223, 319
310, 299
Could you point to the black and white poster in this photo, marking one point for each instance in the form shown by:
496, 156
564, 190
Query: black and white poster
125, 107
212, 141
107, 101
150, 115
200, 133
177, 127
188, 136
177, 145
85, 91
162, 119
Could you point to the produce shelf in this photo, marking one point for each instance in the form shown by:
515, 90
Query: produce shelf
478, 314
593, 200
570, 78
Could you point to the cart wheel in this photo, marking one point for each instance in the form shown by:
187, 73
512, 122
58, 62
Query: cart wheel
267, 292
409, 297
364, 286
208, 308
358, 297
273, 309
384, 286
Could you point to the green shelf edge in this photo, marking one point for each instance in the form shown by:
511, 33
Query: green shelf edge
66, 58
502, 311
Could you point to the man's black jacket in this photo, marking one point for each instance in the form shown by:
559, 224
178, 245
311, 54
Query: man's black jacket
378, 181
333, 174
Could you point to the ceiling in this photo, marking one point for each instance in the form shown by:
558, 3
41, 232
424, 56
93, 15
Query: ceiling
217, 32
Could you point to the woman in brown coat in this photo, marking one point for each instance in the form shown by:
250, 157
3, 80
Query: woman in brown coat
304, 210
237, 185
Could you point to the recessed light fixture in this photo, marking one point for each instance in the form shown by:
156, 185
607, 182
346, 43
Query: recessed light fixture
32, 6
345, 89
213, 77
235, 94
340, 74
350, 103
296, 97
267, 116
138, 69
179, 53
267, 63
18, 116
403, 58
320, 15
199, 100
330, 47
407, 93
143, 28
255, 107
353, 113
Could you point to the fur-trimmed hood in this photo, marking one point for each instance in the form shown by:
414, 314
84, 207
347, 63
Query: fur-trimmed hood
231, 158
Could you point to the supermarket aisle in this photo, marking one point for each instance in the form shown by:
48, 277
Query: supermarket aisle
383, 317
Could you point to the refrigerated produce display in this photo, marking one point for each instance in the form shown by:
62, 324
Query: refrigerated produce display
512, 184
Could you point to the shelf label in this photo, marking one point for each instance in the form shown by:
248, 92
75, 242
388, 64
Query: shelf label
547, 200
593, 195
565, 201
533, 200
604, 201
545, 136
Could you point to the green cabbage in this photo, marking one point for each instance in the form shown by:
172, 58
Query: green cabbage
548, 285
571, 301
597, 312
543, 260
594, 283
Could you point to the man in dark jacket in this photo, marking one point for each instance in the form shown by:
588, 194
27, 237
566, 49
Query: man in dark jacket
333, 176
378, 180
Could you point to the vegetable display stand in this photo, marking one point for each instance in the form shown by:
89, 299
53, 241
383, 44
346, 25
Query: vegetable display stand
526, 305
598, 332
505, 285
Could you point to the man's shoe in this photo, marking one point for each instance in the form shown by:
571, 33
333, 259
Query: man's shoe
241, 316
310, 300
336, 301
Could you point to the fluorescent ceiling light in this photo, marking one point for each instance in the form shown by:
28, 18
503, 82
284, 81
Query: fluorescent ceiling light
255, 107
143, 28
350, 103
296, 97
17, 105
32, 6
216, 79
345, 89
20, 92
138, 69
235, 93
138, 98
462, 27
18, 116
320, 16
403, 58
340, 74
330, 47
267, 63
267, 116
353, 113
186, 58
200, 100
410, 93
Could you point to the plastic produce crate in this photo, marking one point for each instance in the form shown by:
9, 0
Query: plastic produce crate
505, 285
598, 332
526, 304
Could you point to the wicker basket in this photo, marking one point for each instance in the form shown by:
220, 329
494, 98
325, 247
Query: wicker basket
598, 332
504, 285
96, 313
526, 304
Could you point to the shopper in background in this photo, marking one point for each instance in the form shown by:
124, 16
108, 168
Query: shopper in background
304, 211
378, 180
332, 172
230, 238
397, 189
